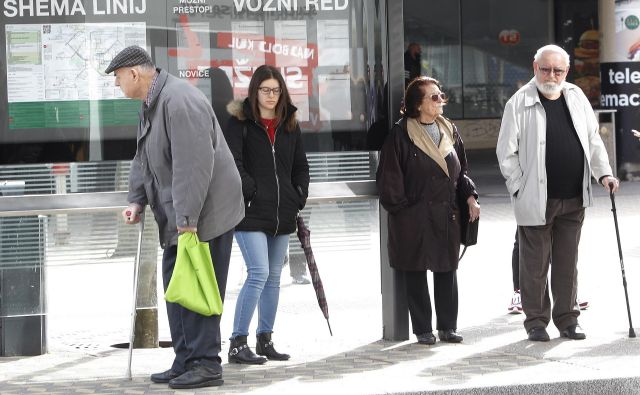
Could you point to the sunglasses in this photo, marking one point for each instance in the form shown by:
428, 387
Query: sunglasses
439, 96
266, 91
547, 70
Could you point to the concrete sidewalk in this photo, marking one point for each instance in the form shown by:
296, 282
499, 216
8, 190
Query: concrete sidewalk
495, 356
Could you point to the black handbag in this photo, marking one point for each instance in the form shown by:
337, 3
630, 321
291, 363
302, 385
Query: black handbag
468, 230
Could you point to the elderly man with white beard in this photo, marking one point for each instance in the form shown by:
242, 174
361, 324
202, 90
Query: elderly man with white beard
548, 149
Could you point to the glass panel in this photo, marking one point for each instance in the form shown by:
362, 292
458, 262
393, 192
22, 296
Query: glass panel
93, 254
108, 176
577, 32
22, 265
334, 166
89, 264
499, 40
58, 106
62, 178
63, 246
341, 227
436, 30
330, 53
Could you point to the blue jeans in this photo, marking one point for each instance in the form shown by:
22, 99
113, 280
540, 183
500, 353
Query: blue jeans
264, 257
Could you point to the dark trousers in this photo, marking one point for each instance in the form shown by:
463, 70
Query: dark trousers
556, 241
515, 263
445, 295
297, 264
196, 337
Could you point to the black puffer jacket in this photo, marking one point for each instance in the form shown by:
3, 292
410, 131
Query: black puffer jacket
275, 178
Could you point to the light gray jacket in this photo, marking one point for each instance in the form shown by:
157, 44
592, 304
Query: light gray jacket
521, 150
183, 167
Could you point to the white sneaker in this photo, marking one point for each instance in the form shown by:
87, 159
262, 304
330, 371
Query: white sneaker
300, 279
516, 305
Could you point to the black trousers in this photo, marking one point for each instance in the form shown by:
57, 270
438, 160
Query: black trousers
195, 337
445, 295
515, 263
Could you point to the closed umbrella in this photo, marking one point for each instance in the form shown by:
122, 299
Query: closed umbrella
304, 235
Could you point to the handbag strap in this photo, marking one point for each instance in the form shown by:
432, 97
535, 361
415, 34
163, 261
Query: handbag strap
461, 255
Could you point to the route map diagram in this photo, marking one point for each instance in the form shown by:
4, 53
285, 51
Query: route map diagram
66, 61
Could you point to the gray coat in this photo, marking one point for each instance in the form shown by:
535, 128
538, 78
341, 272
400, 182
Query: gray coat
183, 167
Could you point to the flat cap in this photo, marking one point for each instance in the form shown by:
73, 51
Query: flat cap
129, 57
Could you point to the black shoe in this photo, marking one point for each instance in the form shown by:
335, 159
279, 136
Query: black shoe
573, 332
538, 334
164, 377
239, 352
426, 338
264, 346
449, 335
198, 376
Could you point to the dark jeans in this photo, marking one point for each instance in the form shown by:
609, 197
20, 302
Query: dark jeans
196, 337
445, 295
556, 241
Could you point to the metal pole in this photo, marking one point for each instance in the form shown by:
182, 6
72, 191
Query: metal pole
136, 268
395, 311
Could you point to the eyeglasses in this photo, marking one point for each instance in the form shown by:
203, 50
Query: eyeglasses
547, 71
266, 91
439, 96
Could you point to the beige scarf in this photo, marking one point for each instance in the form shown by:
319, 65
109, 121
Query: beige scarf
420, 138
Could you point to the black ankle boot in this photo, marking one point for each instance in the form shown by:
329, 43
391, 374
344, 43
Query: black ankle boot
264, 346
239, 352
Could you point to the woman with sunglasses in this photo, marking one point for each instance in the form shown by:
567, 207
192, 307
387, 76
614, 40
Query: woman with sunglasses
264, 138
422, 179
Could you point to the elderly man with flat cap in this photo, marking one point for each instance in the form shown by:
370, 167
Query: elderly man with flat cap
184, 171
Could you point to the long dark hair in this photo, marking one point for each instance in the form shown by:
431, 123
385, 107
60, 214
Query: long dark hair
266, 72
415, 94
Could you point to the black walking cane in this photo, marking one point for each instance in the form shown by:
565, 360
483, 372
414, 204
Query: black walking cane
632, 333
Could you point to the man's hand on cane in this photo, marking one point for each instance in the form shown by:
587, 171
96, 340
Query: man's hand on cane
611, 184
131, 214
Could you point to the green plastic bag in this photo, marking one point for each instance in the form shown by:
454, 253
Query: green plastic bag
193, 283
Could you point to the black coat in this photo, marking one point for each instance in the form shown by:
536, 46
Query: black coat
275, 178
422, 202
412, 67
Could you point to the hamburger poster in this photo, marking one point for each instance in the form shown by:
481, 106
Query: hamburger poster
587, 65
577, 31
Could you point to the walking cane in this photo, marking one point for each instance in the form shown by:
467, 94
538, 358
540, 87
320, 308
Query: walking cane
136, 267
632, 333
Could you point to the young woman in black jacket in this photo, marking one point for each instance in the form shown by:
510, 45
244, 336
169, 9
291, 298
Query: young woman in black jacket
264, 138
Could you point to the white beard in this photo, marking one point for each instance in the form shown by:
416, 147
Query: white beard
549, 88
